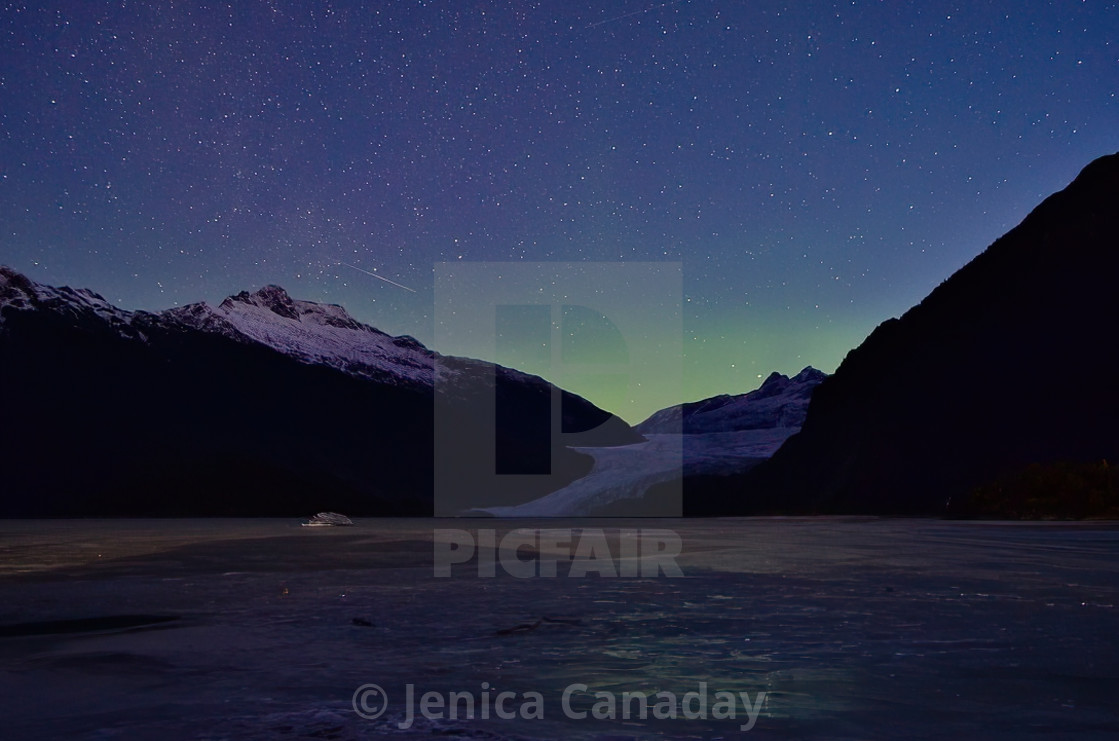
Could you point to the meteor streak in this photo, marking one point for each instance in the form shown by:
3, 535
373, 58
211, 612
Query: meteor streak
643, 11
378, 277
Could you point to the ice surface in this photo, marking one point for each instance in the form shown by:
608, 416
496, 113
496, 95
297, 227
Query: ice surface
855, 629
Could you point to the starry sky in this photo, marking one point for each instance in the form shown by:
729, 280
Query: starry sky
814, 167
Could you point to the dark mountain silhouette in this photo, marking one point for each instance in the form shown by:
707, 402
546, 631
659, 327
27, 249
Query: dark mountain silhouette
263, 405
1012, 361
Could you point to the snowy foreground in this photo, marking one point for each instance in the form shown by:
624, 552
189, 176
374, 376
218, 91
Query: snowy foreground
851, 629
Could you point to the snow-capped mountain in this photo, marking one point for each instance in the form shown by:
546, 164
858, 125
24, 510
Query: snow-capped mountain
18, 293
722, 436
260, 405
779, 402
310, 332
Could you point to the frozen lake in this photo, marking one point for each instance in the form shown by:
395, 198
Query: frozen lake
852, 628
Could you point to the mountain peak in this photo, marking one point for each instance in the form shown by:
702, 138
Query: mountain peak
780, 402
7, 272
15, 288
271, 297
809, 374
778, 383
21, 293
774, 384
275, 299
1101, 171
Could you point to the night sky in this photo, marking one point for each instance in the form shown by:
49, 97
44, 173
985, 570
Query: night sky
816, 167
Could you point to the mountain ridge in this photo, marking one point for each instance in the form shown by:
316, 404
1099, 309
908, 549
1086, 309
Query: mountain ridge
261, 405
780, 401
903, 426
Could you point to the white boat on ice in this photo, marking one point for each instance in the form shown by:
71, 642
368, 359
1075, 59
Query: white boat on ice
328, 519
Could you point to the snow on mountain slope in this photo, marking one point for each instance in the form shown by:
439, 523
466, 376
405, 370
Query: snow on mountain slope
779, 402
19, 293
309, 332
314, 333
